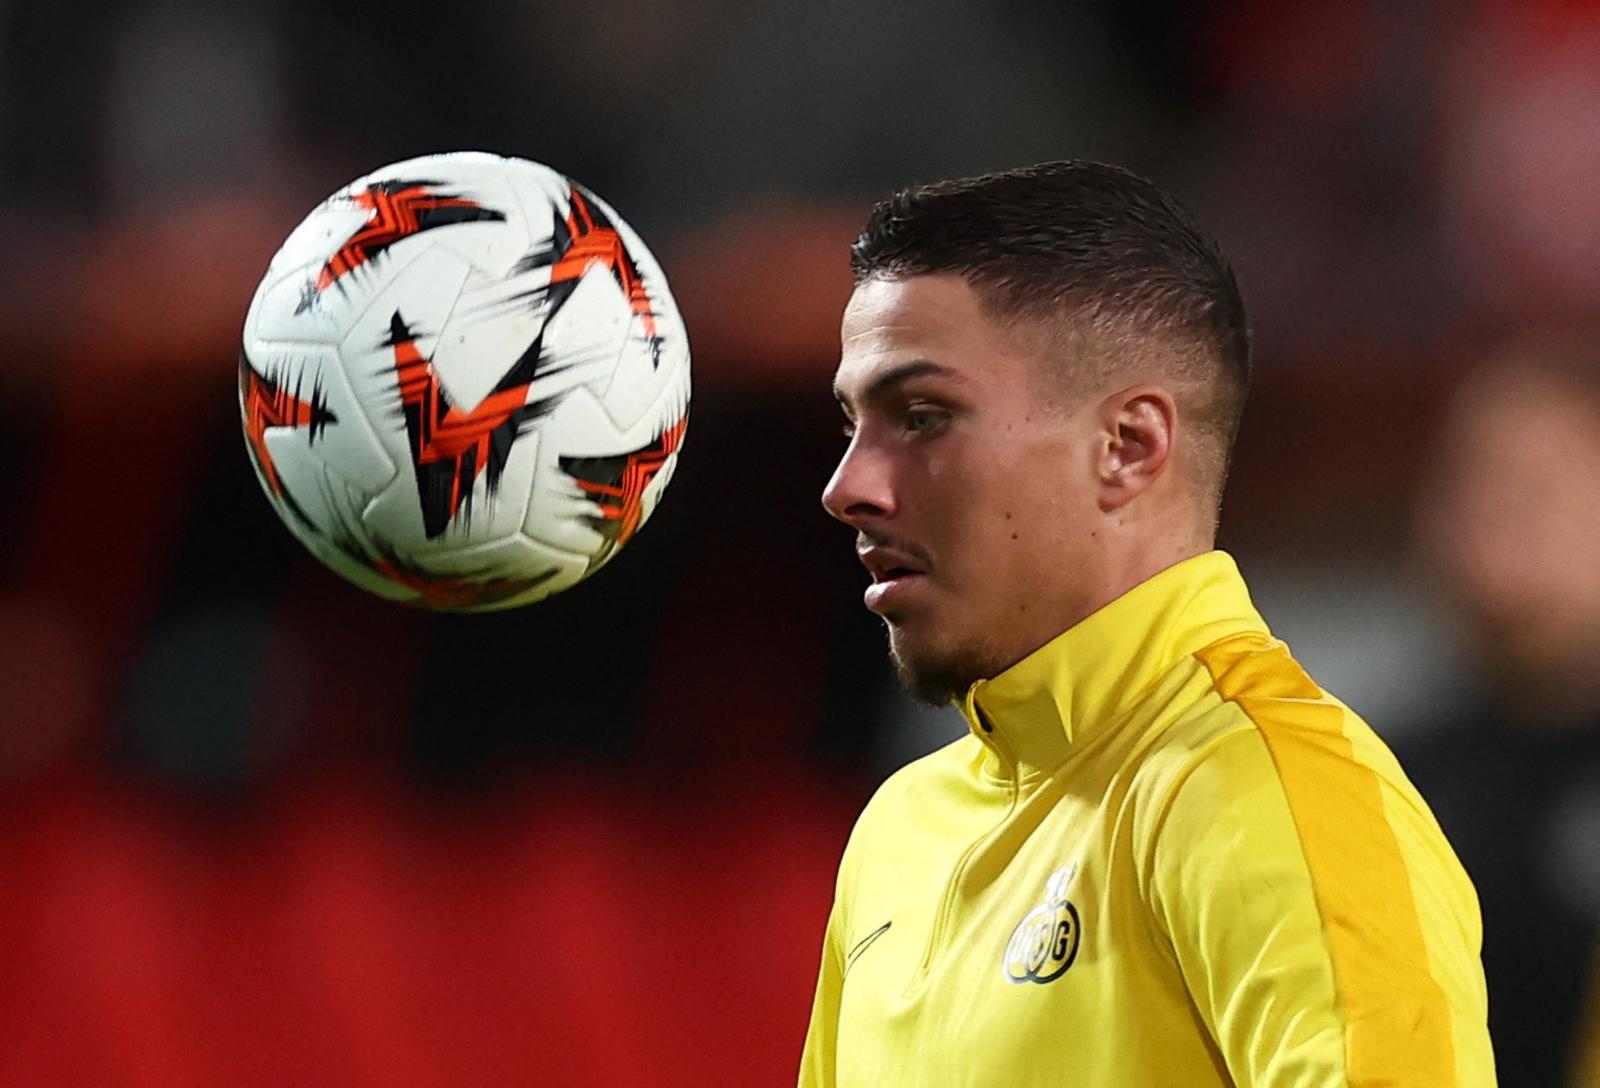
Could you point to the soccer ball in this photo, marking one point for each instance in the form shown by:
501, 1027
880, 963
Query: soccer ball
464, 382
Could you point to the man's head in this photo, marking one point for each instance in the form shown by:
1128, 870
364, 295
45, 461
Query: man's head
1043, 372
1509, 516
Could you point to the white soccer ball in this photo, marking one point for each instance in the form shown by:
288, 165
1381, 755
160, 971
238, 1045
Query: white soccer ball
464, 382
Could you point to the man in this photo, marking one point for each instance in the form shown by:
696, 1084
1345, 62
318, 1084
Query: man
1508, 528
1162, 856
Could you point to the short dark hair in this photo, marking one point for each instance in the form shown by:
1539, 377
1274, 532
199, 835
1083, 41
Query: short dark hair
1079, 240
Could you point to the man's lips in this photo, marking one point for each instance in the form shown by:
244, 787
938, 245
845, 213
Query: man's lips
881, 596
885, 563
895, 574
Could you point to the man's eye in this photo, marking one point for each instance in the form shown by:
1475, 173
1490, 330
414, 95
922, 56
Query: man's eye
922, 420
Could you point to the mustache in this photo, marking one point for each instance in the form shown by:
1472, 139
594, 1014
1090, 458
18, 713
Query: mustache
865, 540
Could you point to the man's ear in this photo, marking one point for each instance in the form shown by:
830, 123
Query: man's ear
1137, 429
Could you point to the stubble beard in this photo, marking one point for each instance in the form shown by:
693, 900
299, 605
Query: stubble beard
934, 678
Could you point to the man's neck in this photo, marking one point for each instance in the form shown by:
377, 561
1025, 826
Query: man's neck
1141, 561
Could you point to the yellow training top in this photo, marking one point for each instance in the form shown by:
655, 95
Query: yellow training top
1163, 856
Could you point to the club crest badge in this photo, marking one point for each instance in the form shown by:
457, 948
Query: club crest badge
1045, 942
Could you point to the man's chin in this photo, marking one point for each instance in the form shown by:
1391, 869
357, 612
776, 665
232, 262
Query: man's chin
929, 676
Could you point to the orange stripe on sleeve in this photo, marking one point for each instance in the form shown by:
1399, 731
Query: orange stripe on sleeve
1398, 1021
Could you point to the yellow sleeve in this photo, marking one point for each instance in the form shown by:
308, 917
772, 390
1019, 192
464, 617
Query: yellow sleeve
1285, 886
821, 1049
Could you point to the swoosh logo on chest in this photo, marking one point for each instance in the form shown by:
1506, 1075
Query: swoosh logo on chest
861, 946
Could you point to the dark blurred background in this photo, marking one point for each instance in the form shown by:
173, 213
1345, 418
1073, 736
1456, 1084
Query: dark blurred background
257, 828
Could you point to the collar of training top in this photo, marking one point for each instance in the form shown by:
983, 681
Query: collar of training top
1083, 679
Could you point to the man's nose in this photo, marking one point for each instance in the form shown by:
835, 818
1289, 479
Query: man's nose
861, 488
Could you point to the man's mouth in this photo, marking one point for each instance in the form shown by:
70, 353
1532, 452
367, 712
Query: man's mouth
893, 591
896, 573
885, 563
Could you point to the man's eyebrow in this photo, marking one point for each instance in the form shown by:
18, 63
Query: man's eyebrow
896, 375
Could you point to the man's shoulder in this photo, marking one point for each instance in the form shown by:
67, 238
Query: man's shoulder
928, 781
1258, 676
931, 774
1267, 725
1259, 701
